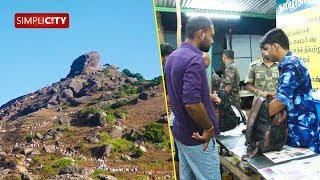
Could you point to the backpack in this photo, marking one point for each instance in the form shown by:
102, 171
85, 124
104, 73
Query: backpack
227, 117
265, 133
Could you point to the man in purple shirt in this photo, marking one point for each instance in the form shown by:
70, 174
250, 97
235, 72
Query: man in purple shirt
195, 123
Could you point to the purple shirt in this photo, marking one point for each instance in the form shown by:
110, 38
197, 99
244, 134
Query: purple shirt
187, 83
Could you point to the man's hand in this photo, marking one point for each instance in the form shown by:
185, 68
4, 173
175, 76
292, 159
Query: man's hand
206, 136
270, 96
261, 93
215, 98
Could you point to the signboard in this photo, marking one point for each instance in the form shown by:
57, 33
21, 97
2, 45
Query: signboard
300, 20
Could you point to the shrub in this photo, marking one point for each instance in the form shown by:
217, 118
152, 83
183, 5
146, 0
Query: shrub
134, 137
67, 129
125, 90
105, 137
119, 104
119, 113
119, 94
155, 132
48, 170
36, 159
90, 110
29, 138
106, 71
98, 172
110, 118
164, 144
62, 163
137, 151
119, 144
81, 146
52, 157
93, 102
65, 106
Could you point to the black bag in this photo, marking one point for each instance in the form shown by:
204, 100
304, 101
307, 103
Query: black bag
263, 133
227, 117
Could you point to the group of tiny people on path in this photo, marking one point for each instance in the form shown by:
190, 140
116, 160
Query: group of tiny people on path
278, 74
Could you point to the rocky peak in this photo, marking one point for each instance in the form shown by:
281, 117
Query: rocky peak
84, 79
84, 64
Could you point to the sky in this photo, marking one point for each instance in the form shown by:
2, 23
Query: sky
123, 32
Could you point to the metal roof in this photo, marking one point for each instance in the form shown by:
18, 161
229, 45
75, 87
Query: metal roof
250, 8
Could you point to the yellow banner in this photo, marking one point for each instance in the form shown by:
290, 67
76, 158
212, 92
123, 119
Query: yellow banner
303, 30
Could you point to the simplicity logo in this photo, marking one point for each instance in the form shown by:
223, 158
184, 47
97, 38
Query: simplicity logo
41, 20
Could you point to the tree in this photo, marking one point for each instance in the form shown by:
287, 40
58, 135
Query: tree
127, 72
156, 81
138, 76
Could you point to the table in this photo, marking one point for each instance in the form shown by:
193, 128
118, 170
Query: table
245, 93
235, 143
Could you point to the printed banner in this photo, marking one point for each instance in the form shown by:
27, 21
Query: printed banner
300, 19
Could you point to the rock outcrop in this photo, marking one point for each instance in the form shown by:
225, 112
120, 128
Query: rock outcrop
84, 79
85, 63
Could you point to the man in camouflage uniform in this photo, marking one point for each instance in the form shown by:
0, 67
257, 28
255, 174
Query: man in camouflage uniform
231, 78
262, 77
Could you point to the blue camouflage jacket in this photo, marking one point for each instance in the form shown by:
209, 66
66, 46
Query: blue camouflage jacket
295, 91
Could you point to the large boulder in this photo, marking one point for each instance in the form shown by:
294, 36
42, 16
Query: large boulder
67, 93
63, 121
7, 163
54, 100
107, 95
135, 134
27, 151
17, 149
102, 151
35, 152
144, 96
107, 149
27, 176
117, 132
95, 85
49, 149
98, 119
76, 85
84, 63
72, 169
125, 157
84, 99
130, 80
106, 177
143, 148
51, 132
93, 137
89, 119
42, 91
39, 136
57, 136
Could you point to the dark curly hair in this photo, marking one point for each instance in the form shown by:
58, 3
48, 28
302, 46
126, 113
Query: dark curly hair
166, 49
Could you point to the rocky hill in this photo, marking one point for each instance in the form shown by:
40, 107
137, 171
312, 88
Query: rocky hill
97, 123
